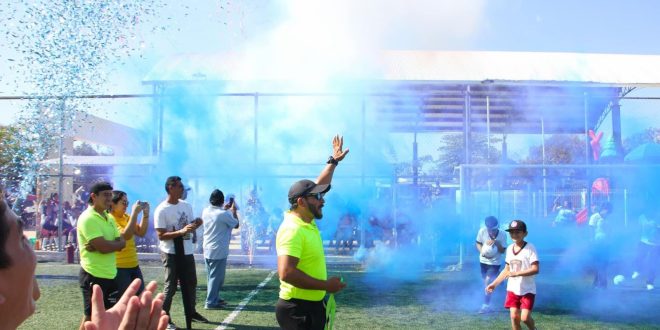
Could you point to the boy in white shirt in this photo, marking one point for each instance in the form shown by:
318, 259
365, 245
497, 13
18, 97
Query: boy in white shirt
522, 265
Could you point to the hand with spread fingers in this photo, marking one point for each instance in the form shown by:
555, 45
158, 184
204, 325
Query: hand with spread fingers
337, 146
131, 312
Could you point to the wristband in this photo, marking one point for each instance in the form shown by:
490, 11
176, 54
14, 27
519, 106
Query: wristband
332, 161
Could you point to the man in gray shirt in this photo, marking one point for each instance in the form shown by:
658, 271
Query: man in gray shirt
218, 223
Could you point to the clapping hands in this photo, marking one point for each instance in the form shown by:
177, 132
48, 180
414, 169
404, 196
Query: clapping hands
131, 312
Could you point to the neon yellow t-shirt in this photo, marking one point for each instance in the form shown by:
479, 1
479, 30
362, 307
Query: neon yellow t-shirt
91, 225
302, 240
127, 257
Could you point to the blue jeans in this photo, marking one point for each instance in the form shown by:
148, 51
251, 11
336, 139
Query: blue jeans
125, 277
215, 268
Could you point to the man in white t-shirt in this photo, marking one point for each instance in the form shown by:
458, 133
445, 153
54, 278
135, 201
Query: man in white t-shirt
491, 244
174, 224
522, 265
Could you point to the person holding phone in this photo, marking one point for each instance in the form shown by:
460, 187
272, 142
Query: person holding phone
218, 224
127, 259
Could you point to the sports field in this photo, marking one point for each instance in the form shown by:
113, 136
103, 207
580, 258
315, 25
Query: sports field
433, 300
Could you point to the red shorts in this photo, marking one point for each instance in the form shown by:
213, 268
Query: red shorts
525, 301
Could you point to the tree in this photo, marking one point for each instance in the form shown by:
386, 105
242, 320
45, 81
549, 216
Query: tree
452, 153
559, 149
649, 135
12, 156
89, 174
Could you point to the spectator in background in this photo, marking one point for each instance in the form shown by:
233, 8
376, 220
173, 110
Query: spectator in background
601, 226
344, 234
648, 250
48, 223
218, 224
128, 268
565, 214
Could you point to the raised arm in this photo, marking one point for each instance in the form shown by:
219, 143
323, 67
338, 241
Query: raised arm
338, 155
144, 224
130, 228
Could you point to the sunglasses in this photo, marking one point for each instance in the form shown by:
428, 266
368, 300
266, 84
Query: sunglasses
318, 196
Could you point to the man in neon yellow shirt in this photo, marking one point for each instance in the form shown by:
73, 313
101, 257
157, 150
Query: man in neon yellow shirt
300, 257
98, 239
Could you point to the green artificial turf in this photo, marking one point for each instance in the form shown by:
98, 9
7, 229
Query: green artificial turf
443, 300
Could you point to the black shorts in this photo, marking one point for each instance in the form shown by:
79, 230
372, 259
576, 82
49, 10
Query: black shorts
108, 287
489, 271
298, 314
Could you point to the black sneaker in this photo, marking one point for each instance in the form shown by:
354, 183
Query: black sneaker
199, 318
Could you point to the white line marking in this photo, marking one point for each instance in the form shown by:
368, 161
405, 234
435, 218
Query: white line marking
244, 302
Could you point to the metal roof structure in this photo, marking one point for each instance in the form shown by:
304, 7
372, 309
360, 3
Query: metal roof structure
442, 91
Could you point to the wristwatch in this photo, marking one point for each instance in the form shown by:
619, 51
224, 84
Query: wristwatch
332, 161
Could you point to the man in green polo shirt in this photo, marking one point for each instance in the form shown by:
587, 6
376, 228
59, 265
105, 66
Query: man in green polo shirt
300, 259
98, 239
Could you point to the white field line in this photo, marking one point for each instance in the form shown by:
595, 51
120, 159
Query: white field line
244, 302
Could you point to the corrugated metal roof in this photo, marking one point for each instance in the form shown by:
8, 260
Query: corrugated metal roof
428, 90
447, 66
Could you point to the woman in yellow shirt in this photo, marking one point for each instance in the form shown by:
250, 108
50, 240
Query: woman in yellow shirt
127, 260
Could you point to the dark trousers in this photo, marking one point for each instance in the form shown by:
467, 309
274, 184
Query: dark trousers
125, 277
488, 274
108, 287
298, 314
647, 260
601, 257
188, 278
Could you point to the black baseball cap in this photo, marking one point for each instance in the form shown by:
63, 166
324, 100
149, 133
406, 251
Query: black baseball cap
306, 187
98, 187
517, 225
491, 222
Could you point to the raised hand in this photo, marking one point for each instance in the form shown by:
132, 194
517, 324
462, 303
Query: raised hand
145, 208
337, 146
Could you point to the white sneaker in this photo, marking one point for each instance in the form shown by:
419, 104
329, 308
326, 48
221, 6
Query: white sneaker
650, 287
635, 275
485, 308
171, 326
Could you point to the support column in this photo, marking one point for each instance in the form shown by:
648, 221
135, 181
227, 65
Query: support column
616, 126
256, 139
